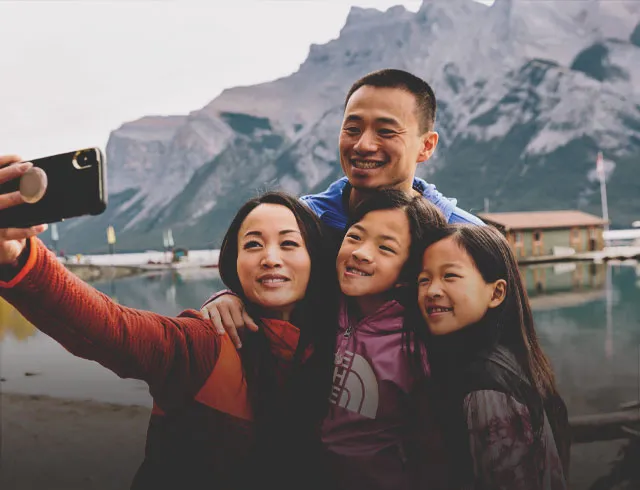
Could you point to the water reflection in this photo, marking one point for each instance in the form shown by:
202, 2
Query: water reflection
565, 284
13, 323
587, 316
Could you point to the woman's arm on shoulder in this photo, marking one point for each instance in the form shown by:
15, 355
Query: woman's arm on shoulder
132, 343
501, 441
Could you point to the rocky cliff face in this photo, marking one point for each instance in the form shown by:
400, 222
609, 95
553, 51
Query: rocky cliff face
528, 92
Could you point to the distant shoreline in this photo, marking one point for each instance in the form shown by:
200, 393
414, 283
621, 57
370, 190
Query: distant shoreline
92, 272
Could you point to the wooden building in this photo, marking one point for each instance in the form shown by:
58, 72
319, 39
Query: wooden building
538, 233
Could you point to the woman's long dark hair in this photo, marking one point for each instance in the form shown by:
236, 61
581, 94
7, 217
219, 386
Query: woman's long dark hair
287, 419
424, 219
510, 326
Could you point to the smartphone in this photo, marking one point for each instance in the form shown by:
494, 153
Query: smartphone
76, 186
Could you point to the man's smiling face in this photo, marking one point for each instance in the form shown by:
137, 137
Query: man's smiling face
380, 140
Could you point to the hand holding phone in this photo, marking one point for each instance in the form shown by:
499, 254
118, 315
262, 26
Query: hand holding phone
53, 189
12, 240
11, 169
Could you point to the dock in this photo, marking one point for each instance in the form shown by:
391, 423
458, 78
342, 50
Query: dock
599, 256
112, 266
623, 424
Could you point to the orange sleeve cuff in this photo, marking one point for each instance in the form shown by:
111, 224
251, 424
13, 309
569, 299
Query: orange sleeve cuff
31, 261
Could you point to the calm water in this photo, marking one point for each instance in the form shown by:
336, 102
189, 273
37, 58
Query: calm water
588, 318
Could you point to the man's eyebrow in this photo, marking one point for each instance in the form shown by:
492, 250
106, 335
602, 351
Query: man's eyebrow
383, 120
388, 120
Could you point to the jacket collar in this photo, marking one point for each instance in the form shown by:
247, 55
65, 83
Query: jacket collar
283, 338
388, 318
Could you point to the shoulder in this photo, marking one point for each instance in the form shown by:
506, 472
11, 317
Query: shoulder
328, 205
331, 195
447, 205
464, 217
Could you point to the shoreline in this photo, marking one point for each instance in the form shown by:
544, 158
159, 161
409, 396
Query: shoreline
57, 443
92, 272
75, 444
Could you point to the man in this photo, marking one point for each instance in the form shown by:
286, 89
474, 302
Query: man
387, 131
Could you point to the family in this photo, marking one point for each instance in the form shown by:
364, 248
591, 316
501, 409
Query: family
373, 336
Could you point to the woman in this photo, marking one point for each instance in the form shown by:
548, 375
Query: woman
215, 410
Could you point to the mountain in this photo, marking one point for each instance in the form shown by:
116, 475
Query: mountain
528, 93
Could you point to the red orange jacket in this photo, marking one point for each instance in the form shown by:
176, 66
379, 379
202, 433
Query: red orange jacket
200, 431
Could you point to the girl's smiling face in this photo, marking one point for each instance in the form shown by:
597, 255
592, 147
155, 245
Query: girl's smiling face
373, 253
452, 293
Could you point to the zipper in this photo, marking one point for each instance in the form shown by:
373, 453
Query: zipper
342, 348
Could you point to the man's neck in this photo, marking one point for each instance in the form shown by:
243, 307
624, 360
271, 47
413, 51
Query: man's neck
358, 195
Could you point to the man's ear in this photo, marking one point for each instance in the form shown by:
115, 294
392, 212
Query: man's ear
499, 293
428, 142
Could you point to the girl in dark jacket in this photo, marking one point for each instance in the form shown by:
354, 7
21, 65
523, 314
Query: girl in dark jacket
505, 423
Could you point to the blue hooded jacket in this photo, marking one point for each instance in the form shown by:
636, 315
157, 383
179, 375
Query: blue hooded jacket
330, 204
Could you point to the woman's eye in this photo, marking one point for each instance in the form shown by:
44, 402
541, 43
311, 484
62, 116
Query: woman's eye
251, 244
289, 243
353, 236
387, 249
450, 275
423, 280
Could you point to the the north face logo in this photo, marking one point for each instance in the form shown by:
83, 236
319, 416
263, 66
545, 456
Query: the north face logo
355, 386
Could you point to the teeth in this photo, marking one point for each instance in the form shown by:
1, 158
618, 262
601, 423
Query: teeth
438, 309
356, 271
273, 280
366, 164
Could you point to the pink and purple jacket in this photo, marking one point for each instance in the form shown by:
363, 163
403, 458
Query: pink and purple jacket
378, 435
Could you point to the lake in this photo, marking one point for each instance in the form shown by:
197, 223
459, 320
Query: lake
587, 316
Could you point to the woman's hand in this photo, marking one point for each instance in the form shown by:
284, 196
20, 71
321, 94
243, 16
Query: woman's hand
13, 240
227, 313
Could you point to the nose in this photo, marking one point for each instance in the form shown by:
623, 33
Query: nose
361, 254
271, 258
367, 143
434, 290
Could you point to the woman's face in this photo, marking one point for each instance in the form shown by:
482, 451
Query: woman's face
273, 262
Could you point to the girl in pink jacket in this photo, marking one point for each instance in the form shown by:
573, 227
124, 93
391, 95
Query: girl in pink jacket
377, 433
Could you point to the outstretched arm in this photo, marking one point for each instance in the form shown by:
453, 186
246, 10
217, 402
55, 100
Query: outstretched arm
132, 343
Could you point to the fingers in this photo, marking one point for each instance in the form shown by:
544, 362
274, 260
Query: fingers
233, 335
10, 172
7, 234
229, 326
248, 321
10, 199
7, 159
211, 312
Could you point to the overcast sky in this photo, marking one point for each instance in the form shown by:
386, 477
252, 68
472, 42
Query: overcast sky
74, 71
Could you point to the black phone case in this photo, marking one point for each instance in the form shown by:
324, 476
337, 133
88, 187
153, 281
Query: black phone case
76, 187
